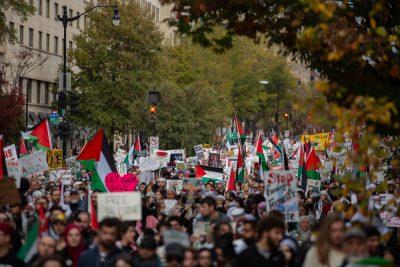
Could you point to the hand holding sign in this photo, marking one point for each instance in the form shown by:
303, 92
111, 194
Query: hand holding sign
116, 183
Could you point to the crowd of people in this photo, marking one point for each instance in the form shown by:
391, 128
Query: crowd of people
224, 228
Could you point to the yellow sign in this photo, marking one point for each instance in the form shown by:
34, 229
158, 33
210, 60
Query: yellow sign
321, 140
55, 158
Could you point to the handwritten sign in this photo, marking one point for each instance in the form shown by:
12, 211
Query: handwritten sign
173, 236
55, 158
322, 140
10, 153
73, 165
116, 183
148, 164
35, 163
127, 206
280, 193
174, 185
14, 170
199, 152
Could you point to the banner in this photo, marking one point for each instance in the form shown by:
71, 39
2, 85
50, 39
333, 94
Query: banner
10, 153
126, 206
34, 164
280, 193
148, 164
199, 152
321, 140
55, 159
167, 156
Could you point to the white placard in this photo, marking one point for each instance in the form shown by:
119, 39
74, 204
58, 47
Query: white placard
154, 143
280, 193
14, 170
148, 164
10, 153
126, 206
35, 163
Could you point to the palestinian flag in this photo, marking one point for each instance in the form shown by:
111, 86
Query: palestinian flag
230, 184
29, 249
206, 173
239, 129
22, 148
133, 153
40, 136
301, 172
260, 154
240, 166
312, 165
96, 156
277, 150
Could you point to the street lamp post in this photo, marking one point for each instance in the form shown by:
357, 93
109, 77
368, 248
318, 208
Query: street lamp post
63, 94
265, 83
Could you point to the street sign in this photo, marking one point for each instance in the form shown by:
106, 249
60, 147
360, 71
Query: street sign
154, 144
54, 118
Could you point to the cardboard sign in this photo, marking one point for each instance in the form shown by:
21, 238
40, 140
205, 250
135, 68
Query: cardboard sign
280, 193
154, 143
199, 152
126, 206
14, 170
116, 183
321, 140
55, 158
173, 236
35, 163
148, 164
10, 153
9, 194
174, 185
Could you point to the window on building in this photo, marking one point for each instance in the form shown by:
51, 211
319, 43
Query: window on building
38, 92
48, 8
11, 25
40, 40
70, 15
55, 45
78, 21
21, 34
56, 11
48, 42
30, 37
55, 92
29, 90
40, 7
46, 93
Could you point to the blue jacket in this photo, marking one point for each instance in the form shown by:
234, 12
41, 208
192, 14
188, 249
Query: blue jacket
91, 257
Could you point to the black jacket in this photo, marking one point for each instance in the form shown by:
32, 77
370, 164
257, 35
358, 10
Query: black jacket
251, 257
91, 258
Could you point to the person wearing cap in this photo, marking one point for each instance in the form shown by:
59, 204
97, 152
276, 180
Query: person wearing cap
147, 256
7, 255
75, 202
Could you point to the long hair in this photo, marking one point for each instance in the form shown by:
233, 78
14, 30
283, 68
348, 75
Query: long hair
324, 242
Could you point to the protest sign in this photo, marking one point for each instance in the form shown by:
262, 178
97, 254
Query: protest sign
201, 228
180, 166
73, 165
169, 205
174, 185
191, 184
162, 156
176, 154
127, 206
10, 153
9, 194
213, 160
148, 164
116, 183
14, 170
280, 193
313, 185
146, 177
55, 158
199, 151
35, 163
66, 179
321, 140
173, 236
154, 143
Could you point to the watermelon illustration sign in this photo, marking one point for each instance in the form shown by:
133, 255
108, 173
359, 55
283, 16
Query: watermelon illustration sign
280, 193
167, 156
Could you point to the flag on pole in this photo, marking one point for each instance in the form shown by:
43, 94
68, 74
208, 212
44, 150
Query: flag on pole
29, 249
239, 129
312, 165
231, 183
240, 166
96, 156
40, 136
22, 148
133, 152
260, 153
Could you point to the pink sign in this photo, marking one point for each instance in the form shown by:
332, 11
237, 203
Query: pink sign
116, 183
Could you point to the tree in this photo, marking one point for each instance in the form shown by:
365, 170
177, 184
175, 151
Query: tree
354, 45
114, 66
20, 8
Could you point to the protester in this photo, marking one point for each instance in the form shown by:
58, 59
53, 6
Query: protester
74, 245
7, 255
45, 248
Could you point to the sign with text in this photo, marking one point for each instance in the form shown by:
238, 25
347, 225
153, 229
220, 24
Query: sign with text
321, 140
280, 193
116, 183
35, 163
313, 185
126, 206
199, 152
175, 185
55, 158
148, 164
154, 143
173, 236
14, 170
10, 153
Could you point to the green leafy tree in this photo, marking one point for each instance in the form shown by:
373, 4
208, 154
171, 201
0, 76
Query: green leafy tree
20, 8
116, 65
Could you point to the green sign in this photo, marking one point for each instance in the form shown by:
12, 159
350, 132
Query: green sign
232, 136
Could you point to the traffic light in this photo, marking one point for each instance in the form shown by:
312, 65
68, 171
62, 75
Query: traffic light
152, 112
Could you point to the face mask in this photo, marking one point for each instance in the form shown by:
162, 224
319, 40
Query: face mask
74, 201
